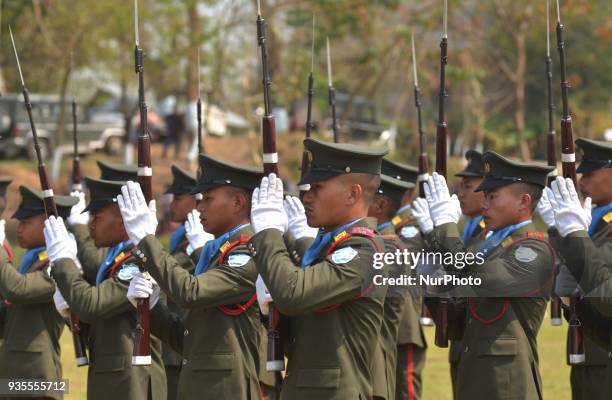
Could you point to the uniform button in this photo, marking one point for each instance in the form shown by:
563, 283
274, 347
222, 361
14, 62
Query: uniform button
610, 355
186, 332
466, 349
185, 362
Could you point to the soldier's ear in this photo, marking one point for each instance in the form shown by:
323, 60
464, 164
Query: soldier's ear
526, 202
355, 193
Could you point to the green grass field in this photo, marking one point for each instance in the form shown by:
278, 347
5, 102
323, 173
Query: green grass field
551, 342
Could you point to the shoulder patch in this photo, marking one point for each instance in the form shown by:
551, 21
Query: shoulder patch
396, 220
525, 254
127, 272
608, 217
238, 260
409, 232
343, 255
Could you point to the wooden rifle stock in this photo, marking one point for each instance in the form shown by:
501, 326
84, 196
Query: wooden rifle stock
142, 333
423, 162
551, 157
441, 317
308, 128
568, 166
275, 358
76, 161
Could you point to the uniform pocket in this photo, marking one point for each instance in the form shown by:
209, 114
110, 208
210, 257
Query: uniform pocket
319, 378
498, 347
109, 364
213, 361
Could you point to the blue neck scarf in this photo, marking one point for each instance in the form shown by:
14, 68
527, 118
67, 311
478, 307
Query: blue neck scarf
470, 227
497, 237
597, 213
176, 238
320, 242
211, 248
109, 260
383, 226
29, 257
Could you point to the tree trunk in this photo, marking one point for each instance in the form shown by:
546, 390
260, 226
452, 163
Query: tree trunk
194, 44
519, 113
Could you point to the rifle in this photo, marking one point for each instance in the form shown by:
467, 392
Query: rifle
309, 124
425, 319
275, 358
332, 94
199, 196
551, 153
200, 145
423, 163
76, 161
80, 349
441, 338
568, 166
142, 339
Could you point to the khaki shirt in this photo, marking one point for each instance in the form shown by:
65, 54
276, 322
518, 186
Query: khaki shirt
330, 351
222, 354
499, 342
32, 326
111, 341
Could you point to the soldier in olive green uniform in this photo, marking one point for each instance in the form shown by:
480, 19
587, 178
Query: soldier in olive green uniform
3, 186
499, 358
386, 202
105, 306
335, 311
5, 244
221, 335
183, 202
411, 343
596, 183
32, 326
90, 255
473, 234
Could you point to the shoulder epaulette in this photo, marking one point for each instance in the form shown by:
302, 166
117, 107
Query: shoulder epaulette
535, 235
237, 308
396, 220
43, 255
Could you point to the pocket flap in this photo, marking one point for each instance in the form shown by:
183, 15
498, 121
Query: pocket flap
213, 361
109, 363
498, 347
319, 378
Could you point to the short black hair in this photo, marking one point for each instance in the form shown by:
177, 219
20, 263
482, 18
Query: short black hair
534, 191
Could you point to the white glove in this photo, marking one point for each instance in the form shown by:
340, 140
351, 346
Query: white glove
139, 219
196, 235
545, 210
297, 218
420, 210
143, 286
263, 296
60, 304
59, 243
77, 216
2, 231
442, 207
267, 205
570, 215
